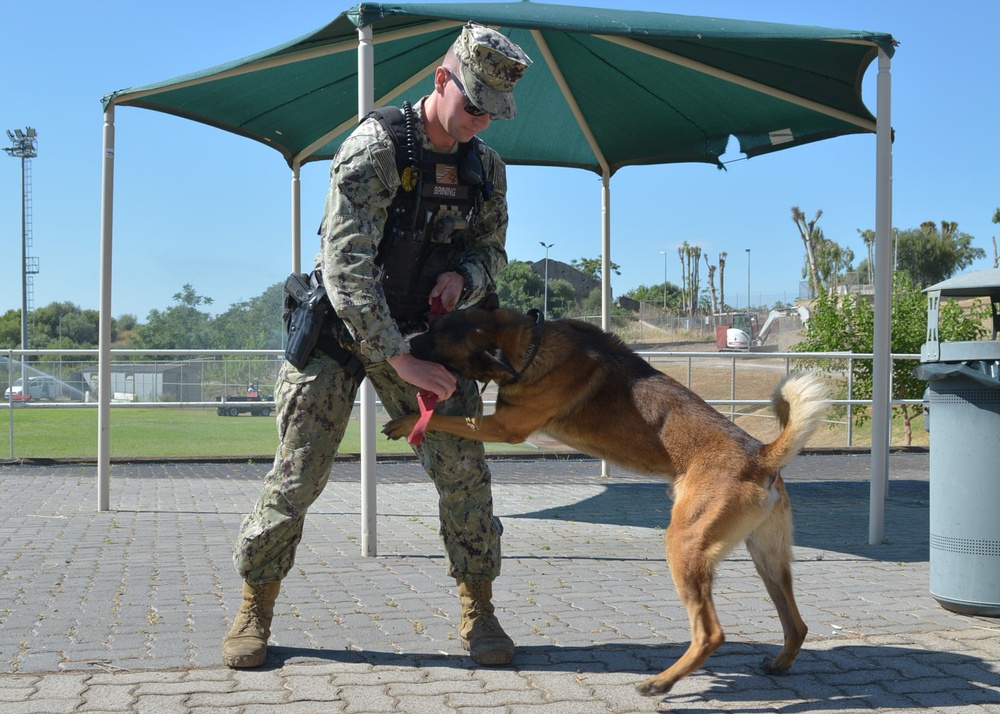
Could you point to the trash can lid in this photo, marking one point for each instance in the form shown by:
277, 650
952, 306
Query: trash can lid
978, 283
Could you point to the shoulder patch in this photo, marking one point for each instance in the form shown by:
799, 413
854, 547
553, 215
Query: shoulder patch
384, 160
496, 169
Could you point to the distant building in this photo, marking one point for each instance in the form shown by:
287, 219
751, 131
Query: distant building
582, 283
627, 303
154, 381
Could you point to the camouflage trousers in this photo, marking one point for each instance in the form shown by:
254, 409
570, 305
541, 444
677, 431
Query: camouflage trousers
313, 409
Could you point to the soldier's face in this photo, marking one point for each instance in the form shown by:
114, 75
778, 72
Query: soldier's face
459, 123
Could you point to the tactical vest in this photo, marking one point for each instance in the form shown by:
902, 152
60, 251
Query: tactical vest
428, 220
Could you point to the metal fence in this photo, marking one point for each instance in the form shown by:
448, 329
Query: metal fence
739, 384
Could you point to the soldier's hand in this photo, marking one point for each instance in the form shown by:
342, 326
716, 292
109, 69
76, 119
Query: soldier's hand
449, 288
425, 375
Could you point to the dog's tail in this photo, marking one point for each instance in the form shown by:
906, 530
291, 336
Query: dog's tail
799, 403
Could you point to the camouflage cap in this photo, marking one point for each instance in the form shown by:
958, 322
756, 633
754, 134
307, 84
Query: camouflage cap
490, 64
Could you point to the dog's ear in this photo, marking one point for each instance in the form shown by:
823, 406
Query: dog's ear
490, 302
497, 356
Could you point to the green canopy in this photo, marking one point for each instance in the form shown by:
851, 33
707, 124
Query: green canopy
608, 88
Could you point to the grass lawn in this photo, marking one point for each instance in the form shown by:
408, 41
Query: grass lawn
158, 432
200, 432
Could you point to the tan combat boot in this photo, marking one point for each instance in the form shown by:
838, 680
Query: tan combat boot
245, 645
480, 632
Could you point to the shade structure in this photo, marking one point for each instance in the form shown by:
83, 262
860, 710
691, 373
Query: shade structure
608, 89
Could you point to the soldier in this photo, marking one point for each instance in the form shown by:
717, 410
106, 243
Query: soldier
396, 239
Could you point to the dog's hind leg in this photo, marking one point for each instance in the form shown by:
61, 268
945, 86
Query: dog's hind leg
770, 546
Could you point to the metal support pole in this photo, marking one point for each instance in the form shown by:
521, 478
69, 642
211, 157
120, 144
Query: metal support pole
748, 288
850, 407
369, 540
104, 336
545, 289
605, 268
881, 408
296, 217
664, 254
10, 398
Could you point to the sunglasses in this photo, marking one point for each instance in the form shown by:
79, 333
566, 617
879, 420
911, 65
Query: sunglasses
470, 107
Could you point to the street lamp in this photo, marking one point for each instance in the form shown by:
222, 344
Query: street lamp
545, 303
24, 145
664, 254
748, 281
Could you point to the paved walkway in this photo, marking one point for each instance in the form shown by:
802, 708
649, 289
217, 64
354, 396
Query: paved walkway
124, 611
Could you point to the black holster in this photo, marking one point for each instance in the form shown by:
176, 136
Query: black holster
310, 321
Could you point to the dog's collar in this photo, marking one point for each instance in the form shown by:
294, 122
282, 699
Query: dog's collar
536, 342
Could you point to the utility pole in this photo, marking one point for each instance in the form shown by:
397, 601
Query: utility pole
748, 282
24, 145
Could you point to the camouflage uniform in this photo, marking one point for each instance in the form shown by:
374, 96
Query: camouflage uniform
314, 404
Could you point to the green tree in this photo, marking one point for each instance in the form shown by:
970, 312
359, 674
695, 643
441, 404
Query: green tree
847, 323
127, 322
590, 308
832, 260
654, 294
933, 253
182, 326
519, 287
253, 324
65, 324
56, 322
867, 266
10, 330
562, 297
592, 267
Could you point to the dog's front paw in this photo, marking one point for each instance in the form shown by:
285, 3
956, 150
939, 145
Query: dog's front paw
401, 427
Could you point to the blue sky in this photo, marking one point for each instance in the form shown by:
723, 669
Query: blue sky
196, 205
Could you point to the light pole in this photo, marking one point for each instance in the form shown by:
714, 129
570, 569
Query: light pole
748, 282
664, 254
545, 299
24, 145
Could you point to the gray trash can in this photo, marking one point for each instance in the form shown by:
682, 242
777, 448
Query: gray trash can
963, 398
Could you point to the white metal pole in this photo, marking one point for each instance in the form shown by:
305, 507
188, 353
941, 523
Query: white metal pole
664, 254
605, 267
296, 217
369, 540
881, 408
545, 300
104, 335
545, 292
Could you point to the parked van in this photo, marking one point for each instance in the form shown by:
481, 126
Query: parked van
40, 387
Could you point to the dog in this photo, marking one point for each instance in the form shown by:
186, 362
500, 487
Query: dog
587, 389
